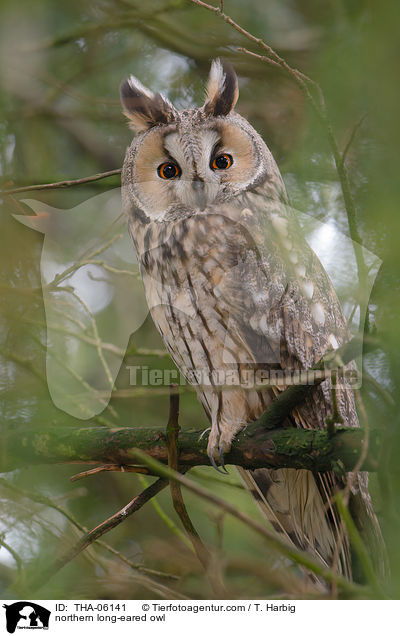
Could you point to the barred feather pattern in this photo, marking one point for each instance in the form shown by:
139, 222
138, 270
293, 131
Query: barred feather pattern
233, 287
210, 280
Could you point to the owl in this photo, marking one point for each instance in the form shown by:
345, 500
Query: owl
236, 293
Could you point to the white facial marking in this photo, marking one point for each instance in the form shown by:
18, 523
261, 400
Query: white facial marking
293, 257
173, 144
206, 143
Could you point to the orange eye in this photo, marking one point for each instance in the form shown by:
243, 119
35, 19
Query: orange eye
168, 170
222, 162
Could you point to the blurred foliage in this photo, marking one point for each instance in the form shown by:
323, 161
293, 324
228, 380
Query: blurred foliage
60, 69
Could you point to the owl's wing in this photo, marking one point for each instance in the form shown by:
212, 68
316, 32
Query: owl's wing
277, 287
282, 306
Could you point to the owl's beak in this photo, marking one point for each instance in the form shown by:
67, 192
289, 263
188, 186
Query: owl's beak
198, 186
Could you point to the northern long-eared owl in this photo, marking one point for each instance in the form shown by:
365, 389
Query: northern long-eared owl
234, 289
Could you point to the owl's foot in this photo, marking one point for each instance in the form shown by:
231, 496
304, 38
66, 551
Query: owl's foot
221, 459
219, 469
211, 456
216, 448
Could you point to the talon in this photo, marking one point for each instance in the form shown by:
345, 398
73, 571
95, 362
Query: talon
213, 463
204, 432
222, 461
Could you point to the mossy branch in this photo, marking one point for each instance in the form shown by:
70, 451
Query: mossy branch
255, 447
262, 444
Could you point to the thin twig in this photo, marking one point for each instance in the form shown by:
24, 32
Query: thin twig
299, 75
24, 361
261, 444
48, 502
351, 138
61, 184
335, 417
364, 448
302, 80
62, 276
297, 556
166, 519
352, 475
118, 468
113, 521
53, 327
200, 549
109, 268
358, 544
14, 555
384, 393
95, 335
305, 83
91, 536
61, 361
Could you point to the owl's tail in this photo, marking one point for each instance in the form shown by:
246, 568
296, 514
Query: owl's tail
292, 502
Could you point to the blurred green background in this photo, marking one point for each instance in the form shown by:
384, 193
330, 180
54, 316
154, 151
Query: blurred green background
60, 69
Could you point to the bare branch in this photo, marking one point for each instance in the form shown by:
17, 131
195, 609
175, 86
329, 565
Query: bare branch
14, 555
305, 83
109, 468
61, 184
107, 525
357, 542
352, 136
262, 444
281, 545
200, 549
48, 502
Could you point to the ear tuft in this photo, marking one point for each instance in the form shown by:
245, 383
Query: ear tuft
222, 89
143, 108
